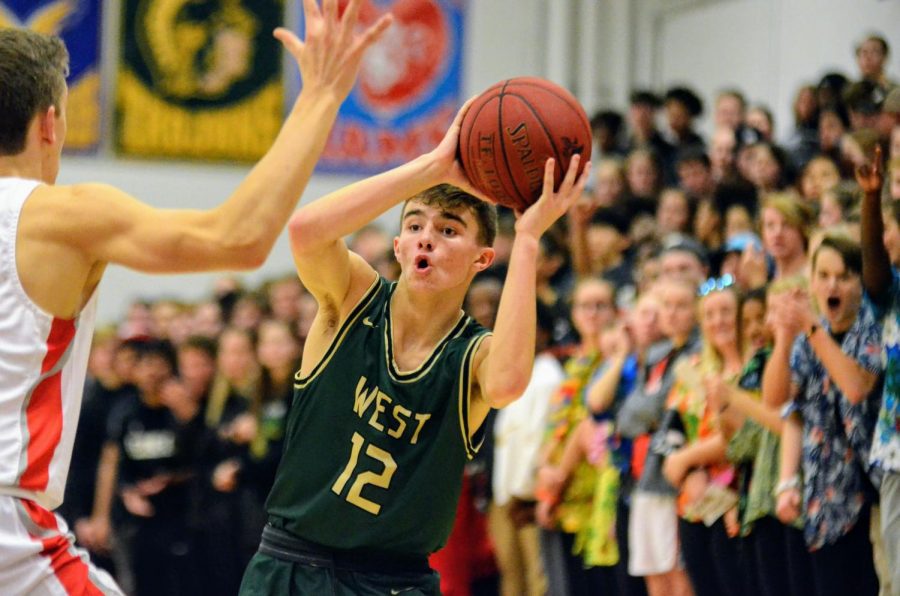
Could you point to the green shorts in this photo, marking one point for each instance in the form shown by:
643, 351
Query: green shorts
267, 576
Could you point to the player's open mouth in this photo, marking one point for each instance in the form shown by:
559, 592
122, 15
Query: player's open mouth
422, 264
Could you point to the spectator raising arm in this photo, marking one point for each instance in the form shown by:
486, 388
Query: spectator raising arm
876, 262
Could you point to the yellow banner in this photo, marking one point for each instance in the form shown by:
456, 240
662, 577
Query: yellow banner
83, 112
199, 79
153, 127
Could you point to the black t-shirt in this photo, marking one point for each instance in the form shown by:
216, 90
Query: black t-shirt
150, 442
97, 408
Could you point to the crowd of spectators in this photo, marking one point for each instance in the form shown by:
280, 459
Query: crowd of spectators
714, 402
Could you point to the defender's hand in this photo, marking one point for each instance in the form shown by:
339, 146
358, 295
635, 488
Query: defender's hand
330, 55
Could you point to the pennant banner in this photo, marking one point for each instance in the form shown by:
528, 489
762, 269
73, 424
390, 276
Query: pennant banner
408, 88
199, 78
77, 22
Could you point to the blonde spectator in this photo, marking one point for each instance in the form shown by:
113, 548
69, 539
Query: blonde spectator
785, 233
773, 553
699, 469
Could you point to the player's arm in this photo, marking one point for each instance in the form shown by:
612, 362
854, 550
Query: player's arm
109, 226
503, 362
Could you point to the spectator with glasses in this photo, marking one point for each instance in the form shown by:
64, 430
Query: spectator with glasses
563, 519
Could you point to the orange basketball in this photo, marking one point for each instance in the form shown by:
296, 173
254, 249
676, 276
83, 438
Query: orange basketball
510, 131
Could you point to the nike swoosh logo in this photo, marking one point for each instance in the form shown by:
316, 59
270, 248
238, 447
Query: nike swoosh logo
369, 323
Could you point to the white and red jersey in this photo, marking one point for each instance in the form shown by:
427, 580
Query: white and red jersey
43, 361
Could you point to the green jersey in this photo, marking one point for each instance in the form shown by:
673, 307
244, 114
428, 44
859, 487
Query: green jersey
374, 456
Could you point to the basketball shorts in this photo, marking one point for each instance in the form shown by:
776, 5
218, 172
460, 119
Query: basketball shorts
38, 555
282, 568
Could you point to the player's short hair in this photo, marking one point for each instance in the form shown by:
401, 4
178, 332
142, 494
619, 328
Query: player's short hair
453, 198
33, 70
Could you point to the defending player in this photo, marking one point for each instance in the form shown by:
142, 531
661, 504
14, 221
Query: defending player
395, 379
55, 243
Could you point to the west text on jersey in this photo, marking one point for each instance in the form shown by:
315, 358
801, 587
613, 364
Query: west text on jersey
394, 424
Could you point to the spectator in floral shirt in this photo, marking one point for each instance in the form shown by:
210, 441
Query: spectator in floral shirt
883, 286
833, 377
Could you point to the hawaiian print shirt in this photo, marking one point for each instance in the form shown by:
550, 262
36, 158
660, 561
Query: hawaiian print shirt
688, 398
886, 443
836, 433
759, 447
568, 409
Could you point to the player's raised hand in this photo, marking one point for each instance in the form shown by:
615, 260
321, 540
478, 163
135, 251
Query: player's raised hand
444, 158
330, 54
554, 203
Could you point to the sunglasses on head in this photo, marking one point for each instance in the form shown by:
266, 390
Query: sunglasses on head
715, 284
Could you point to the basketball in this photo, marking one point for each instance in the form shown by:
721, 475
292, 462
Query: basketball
510, 131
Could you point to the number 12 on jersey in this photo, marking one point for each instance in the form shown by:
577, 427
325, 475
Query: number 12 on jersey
380, 480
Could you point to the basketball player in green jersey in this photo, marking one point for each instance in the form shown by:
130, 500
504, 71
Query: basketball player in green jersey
395, 379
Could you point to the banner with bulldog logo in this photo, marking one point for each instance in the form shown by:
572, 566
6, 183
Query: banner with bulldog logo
408, 88
199, 78
77, 22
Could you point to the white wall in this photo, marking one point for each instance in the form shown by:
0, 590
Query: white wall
598, 48
767, 48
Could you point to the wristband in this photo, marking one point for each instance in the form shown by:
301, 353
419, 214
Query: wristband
812, 329
786, 485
